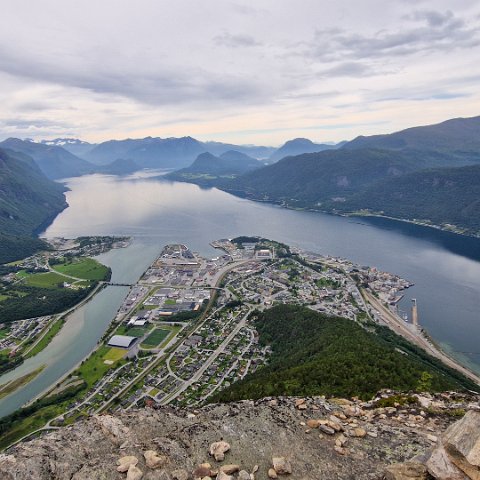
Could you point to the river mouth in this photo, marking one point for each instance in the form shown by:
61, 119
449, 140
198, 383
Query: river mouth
444, 267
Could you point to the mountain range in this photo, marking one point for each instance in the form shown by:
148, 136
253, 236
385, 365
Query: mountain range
298, 146
417, 174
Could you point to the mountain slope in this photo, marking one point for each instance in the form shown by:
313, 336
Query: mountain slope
458, 137
316, 354
207, 169
149, 152
54, 161
443, 196
72, 145
27, 201
312, 178
298, 146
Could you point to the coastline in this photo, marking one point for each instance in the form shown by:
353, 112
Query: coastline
425, 223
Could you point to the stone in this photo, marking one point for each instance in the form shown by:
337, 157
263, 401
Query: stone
180, 474
441, 467
432, 438
359, 432
340, 441
203, 470
134, 473
272, 473
299, 401
224, 476
281, 465
462, 443
125, 462
243, 475
326, 429
218, 450
153, 460
229, 469
112, 427
339, 450
312, 423
406, 471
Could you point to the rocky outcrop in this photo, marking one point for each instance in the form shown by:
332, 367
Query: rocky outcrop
271, 438
455, 457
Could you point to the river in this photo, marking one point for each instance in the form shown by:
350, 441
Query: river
444, 267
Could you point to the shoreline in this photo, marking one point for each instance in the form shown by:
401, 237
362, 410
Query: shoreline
358, 214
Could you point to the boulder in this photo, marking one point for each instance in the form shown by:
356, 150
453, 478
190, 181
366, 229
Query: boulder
153, 460
125, 462
406, 471
281, 465
218, 450
134, 473
462, 443
272, 473
441, 467
229, 469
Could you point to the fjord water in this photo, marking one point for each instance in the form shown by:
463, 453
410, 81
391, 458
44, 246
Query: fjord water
444, 267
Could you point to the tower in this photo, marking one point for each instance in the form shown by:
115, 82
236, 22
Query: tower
414, 312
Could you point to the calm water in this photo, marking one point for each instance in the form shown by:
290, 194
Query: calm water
444, 267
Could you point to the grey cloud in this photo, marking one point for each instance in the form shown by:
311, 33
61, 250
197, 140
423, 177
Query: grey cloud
347, 69
166, 86
427, 31
235, 41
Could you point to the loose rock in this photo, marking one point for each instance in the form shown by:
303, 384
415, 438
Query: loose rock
218, 450
125, 462
281, 465
134, 473
153, 460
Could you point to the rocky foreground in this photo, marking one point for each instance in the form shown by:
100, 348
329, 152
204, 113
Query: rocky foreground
307, 439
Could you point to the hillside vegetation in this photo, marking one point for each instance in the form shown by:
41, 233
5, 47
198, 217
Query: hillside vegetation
443, 196
313, 354
28, 200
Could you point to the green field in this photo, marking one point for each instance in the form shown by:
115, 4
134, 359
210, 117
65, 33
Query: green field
94, 367
115, 354
3, 332
84, 268
44, 280
54, 329
3, 297
170, 301
155, 338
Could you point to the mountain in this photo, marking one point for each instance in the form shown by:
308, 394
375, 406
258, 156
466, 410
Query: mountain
298, 146
258, 152
148, 152
310, 179
208, 169
54, 161
317, 354
172, 152
442, 196
72, 145
458, 137
28, 200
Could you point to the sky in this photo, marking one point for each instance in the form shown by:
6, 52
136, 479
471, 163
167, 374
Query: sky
251, 72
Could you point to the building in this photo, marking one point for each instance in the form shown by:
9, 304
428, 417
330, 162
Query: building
122, 341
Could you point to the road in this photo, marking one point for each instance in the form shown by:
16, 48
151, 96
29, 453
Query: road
207, 364
401, 328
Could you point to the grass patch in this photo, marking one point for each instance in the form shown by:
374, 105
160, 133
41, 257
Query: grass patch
44, 280
170, 301
54, 329
85, 268
136, 331
94, 367
3, 332
153, 392
115, 354
155, 338
3, 297
10, 387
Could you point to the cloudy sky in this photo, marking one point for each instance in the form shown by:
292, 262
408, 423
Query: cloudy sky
261, 71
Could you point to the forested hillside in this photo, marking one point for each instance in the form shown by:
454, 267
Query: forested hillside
27, 200
313, 354
443, 196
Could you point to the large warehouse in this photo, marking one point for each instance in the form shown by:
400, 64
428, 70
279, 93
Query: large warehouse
122, 341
